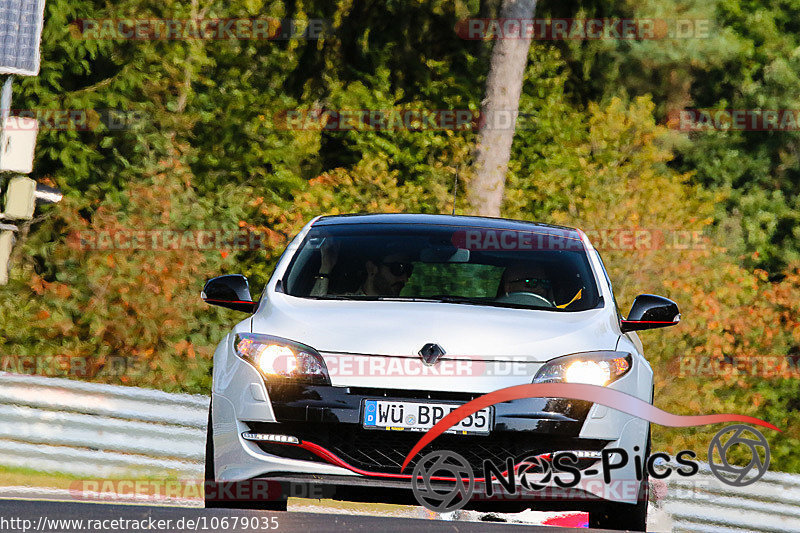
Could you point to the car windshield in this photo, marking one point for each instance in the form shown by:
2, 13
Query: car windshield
537, 269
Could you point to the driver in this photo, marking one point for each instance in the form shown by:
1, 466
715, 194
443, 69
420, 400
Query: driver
387, 276
530, 278
387, 271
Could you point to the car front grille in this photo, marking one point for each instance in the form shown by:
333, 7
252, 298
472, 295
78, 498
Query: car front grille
369, 392
383, 451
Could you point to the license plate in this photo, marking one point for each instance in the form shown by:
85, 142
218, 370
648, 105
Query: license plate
421, 416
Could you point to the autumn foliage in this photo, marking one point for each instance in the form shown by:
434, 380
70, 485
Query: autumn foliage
591, 150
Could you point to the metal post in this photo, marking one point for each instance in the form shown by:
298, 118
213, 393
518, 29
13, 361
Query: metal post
5, 101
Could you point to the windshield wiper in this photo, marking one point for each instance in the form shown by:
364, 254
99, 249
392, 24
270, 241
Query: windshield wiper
480, 301
433, 299
461, 300
344, 297
365, 298
407, 299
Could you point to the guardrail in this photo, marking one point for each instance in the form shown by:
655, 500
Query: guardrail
60, 425
703, 503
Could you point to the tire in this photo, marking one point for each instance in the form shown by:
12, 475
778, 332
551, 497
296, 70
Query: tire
625, 516
620, 516
210, 482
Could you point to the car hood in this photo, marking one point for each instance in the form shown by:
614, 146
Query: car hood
462, 331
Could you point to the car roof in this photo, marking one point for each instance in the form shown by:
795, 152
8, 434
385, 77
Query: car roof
442, 220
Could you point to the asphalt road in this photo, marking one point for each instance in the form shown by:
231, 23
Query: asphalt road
17, 515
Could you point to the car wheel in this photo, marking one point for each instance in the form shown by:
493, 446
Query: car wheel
625, 516
210, 483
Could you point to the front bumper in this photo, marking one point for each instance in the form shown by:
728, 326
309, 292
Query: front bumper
334, 457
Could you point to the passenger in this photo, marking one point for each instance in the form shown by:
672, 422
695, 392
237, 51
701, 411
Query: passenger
528, 278
532, 279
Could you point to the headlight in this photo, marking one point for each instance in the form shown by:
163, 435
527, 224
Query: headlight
280, 359
593, 368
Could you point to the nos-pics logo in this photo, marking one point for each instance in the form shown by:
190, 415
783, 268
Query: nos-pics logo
444, 481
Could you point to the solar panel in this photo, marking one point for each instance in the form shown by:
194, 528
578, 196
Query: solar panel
20, 32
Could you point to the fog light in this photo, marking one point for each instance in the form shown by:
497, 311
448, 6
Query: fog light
270, 437
585, 454
580, 454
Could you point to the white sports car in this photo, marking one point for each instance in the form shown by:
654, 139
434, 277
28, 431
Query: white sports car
373, 327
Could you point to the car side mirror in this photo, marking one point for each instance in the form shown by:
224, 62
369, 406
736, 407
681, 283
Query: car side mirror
231, 291
650, 311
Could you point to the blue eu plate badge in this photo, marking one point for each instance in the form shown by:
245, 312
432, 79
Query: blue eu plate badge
369, 412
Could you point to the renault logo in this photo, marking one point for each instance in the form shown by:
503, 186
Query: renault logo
430, 353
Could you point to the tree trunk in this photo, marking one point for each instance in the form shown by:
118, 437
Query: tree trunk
500, 109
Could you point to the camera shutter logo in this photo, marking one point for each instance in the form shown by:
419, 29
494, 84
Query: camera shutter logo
443, 496
534, 465
734, 475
